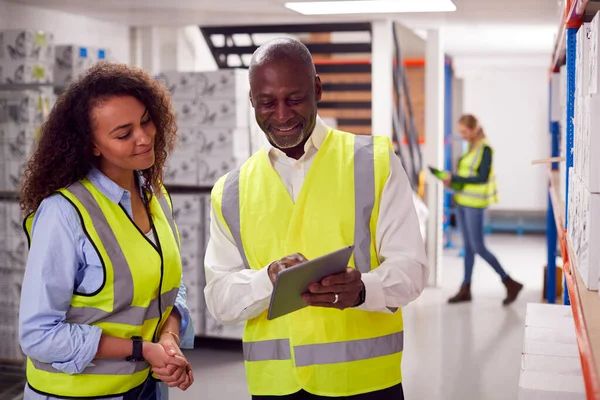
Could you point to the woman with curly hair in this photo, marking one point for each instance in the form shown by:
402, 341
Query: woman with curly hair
103, 306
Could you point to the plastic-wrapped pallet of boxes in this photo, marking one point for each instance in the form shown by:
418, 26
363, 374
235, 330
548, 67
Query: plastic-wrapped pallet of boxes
26, 57
215, 123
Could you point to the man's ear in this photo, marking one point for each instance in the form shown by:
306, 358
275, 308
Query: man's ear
318, 88
251, 100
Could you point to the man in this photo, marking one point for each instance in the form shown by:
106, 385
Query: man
311, 191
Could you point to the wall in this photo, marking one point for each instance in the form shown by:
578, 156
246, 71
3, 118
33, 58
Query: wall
68, 28
510, 97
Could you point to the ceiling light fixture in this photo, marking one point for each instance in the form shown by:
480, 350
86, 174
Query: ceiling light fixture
370, 6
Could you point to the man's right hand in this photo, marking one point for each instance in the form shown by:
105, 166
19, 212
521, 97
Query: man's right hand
286, 262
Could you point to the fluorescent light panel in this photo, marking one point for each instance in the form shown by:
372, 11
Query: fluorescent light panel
370, 6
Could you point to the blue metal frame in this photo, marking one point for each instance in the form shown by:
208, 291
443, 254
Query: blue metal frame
571, 58
552, 235
448, 151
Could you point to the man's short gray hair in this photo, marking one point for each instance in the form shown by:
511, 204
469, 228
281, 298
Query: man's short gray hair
283, 48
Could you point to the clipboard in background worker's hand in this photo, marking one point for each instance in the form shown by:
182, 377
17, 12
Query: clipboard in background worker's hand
293, 282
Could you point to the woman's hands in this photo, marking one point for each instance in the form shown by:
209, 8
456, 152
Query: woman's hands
168, 362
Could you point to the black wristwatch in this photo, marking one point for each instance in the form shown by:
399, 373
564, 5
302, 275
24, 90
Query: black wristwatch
136, 353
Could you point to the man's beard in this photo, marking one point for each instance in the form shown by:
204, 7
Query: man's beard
286, 141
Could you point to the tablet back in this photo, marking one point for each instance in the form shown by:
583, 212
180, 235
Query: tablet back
293, 282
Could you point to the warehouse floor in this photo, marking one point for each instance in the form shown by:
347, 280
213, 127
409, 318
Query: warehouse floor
459, 352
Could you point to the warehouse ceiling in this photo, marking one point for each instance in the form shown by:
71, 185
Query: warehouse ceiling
478, 27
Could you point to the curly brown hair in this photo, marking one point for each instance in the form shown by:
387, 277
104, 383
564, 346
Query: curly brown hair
64, 152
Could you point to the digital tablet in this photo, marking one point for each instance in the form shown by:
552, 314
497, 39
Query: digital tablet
438, 174
293, 282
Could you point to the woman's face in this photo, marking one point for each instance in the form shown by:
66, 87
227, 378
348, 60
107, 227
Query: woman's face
123, 135
467, 133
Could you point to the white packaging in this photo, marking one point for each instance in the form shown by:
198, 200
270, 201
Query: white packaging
26, 106
190, 238
585, 227
582, 75
588, 143
13, 175
19, 141
72, 61
216, 85
594, 54
187, 209
26, 45
182, 168
211, 169
217, 142
21, 72
199, 113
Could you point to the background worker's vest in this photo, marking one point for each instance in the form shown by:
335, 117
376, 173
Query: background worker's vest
324, 351
128, 303
476, 195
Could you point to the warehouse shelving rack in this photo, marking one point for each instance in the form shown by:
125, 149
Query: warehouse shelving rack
584, 304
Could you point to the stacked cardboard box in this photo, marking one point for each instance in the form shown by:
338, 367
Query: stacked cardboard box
13, 255
22, 113
72, 60
214, 119
188, 211
584, 176
550, 363
26, 57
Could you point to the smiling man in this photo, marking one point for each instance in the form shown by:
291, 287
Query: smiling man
310, 191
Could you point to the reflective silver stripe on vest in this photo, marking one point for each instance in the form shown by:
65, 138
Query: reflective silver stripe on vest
364, 199
123, 282
478, 196
132, 316
230, 207
353, 350
267, 350
472, 168
101, 367
164, 204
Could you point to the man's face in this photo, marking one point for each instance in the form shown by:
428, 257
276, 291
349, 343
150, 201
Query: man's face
284, 95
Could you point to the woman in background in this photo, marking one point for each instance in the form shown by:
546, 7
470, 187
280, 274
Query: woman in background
475, 186
102, 305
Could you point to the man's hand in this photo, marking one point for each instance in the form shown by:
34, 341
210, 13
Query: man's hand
347, 286
173, 373
285, 263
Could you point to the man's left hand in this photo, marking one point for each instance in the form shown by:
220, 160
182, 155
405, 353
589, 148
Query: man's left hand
336, 291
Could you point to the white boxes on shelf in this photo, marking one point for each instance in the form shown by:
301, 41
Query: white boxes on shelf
584, 230
26, 57
73, 60
594, 54
213, 113
223, 84
582, 74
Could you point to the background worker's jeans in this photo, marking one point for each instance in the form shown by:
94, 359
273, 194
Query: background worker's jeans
470, 222
393, 393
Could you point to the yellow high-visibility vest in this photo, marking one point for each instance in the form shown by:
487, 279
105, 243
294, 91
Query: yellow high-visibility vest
324, 351
128, 303
476, 195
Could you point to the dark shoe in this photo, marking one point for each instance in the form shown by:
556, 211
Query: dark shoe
464, 294
512, 290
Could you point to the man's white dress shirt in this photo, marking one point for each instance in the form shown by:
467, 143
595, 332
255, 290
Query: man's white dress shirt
235, 294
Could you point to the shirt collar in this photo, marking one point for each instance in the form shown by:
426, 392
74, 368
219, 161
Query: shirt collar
319, 134
107, 187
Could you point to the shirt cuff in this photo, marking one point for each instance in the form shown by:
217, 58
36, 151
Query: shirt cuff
374, 299
85, 356
261, 285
